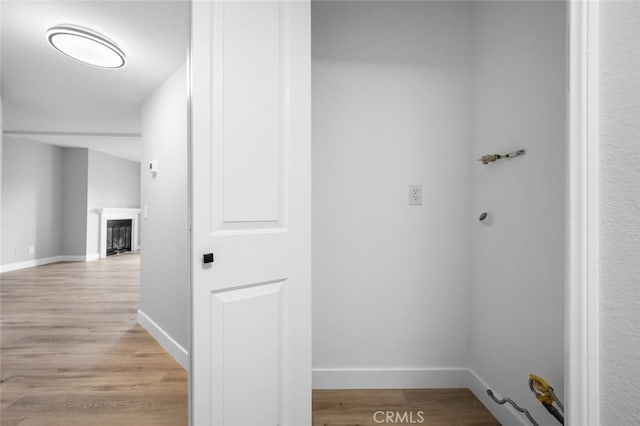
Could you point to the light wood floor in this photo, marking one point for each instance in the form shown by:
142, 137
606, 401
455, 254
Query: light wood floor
439, 407
72, 352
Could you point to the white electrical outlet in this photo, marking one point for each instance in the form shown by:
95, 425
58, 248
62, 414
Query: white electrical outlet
415, 195
32, 250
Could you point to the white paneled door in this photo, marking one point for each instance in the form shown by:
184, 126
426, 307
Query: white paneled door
251, 319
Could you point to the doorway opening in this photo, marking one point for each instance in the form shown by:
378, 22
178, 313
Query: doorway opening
430, 268
76, 191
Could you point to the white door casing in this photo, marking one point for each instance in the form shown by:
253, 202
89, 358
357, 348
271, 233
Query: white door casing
251, 307
582, 333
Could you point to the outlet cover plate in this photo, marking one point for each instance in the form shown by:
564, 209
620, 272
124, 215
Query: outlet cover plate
415, 195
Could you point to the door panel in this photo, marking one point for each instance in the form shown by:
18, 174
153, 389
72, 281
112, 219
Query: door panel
246, 354
251, 68
249, 113
251, 324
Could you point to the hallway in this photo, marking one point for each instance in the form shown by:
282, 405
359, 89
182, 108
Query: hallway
73, 354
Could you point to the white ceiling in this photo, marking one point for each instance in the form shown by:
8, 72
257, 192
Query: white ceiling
46, 95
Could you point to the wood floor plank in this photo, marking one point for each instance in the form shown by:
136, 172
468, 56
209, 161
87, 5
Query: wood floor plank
71, 352
433, 407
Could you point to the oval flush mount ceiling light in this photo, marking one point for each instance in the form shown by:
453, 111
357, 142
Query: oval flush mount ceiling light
86, 46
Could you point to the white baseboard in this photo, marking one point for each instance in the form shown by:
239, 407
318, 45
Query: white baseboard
178, 353
47, 260
506, 415
389, 378
29, 263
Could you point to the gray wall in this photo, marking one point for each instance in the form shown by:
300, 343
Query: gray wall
164, 293
32, 200
112, 182
620, 213
517, 315
74, 218
49, 197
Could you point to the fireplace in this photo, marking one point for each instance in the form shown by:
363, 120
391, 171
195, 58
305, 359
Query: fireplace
119, 236
119, 214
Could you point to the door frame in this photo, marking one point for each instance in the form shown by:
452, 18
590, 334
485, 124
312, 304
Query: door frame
582, 216
582, 213
189, 67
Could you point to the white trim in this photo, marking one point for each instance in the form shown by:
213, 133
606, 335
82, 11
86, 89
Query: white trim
189, 206
582, 286
46, 261
174, 349
30, 263
57, 133
117, 214
389, 378
593, 215
505, 414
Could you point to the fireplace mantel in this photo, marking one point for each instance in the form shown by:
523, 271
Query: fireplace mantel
110, 213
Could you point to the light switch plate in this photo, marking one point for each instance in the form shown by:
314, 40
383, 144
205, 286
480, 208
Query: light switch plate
154, 168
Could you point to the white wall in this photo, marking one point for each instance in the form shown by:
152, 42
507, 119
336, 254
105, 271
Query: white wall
619, 211
164, 292
517, 315
32, 199
74, 214
414, 93
390, 97
113, 183
1, 145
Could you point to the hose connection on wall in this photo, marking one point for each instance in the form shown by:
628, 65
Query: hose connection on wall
513, 404
544, 393
490, 158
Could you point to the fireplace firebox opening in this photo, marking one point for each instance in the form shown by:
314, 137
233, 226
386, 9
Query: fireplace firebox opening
119, 236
